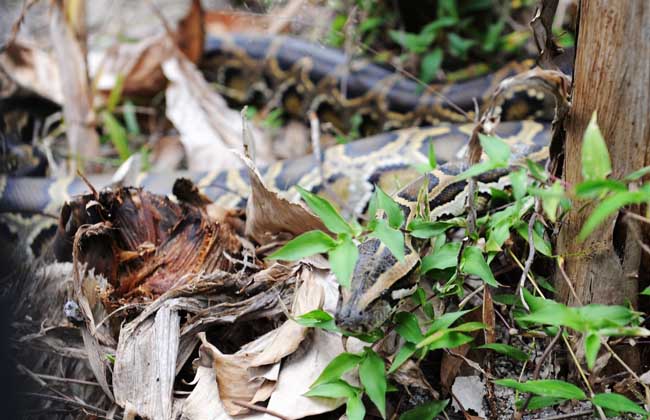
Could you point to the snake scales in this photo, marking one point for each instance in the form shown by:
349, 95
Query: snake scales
302, 77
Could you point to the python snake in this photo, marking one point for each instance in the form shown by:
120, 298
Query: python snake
302, 77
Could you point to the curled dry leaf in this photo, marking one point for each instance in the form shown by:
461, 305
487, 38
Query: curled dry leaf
233, 378
301, 369
411, 377
287, 338
204, 402
268, 214
140, 63
208, 127
33, 69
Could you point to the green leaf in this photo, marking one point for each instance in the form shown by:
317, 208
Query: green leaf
537, 402
342, 259
445, 257
426, 411
472, 262
369, 24
459, 46
478, 169
592, 345
595, 157
506, 349
498, 153
355, 409
448, 8
556, 314
130, 118
540, 244
444, 339
408, 327
597, 187
317, 319
550, 198
334, 389
492, 36
597, 316
305, 245
415, 43
496, 149
646, 291
433, 163
638, 174
519, 181
425, 229
440, 23
446, 320
373, 377
117, 134
536, 170
392, 209
392, 238
545, 387
402, 356
469, 327
609, 206
326, 211
618, 403
429, 68
337, 367
116, 93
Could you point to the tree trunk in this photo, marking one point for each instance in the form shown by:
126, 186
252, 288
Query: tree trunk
611, 77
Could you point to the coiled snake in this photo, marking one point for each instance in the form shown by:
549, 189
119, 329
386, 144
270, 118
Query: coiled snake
303, 77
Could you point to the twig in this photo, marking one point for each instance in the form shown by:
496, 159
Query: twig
314, 124
35, 375
583, 375
348, 30
636, 216
467, 298
74, 402
567, 280
626, 367
15, 27
570, 415
538, 368
530, 277
259, 408
531, 255
634, 228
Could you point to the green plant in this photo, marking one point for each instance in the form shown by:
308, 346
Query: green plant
450, 261
120, 133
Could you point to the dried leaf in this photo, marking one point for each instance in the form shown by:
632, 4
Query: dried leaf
145, 364
287, 338
268, 214
77, 100
233, 377
140, 63
34, 69
208, 127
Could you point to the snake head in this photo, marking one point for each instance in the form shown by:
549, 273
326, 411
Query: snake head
379, 282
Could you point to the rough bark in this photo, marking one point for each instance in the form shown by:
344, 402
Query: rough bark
612, 77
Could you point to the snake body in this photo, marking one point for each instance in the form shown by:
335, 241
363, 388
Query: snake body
302, 78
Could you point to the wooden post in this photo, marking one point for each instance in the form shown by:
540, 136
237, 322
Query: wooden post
612, 77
